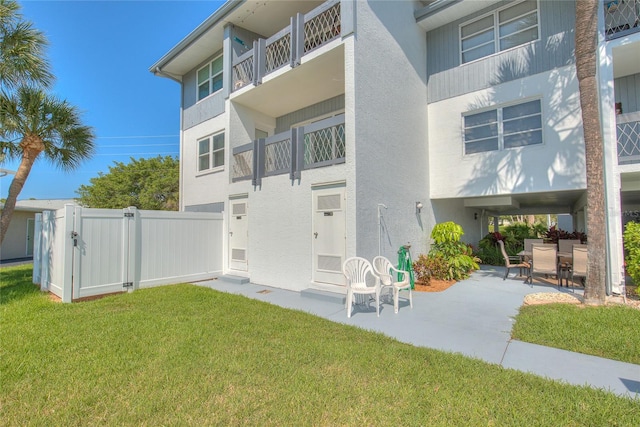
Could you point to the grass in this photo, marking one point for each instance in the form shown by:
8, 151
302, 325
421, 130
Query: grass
608, 331
187, 355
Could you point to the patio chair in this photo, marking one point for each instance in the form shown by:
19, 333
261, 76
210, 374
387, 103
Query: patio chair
564, 262
356, 270
527, 246
579, 267
543, 261
387, 275
509, 258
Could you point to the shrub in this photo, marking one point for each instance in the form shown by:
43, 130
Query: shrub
632, 251
456, 254
554, 234
489, 252
430, 266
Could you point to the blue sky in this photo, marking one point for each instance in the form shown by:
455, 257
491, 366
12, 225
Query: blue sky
100, 52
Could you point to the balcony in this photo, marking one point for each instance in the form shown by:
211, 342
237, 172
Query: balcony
628, 130
621, 17
316, 145
304, 34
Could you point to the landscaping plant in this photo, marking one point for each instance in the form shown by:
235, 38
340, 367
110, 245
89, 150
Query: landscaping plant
449, 257
632, 252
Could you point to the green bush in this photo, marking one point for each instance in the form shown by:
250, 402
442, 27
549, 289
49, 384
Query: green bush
632, 251
447, 246
426, 267
489, 252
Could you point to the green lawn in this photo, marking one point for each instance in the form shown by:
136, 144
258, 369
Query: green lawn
610, 331
187, 355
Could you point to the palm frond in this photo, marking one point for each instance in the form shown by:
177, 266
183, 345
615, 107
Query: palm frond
30, 112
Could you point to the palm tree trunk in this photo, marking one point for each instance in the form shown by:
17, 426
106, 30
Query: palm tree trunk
586, 38
28, 158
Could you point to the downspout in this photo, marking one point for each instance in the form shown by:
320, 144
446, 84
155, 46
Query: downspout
158, 72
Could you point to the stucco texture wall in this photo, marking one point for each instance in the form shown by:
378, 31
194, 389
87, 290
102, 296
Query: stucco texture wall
556, 164
390, 126
15, 241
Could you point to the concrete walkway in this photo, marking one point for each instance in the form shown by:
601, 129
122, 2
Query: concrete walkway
473, 318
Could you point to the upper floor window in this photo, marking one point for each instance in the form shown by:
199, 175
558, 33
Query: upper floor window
503, 29
211, 152
502, 128
210, 78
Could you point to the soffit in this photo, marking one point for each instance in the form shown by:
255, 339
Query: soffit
261, 17
442, 12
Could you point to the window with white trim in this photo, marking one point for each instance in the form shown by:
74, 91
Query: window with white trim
210, 78
516, 25
211, 152
504, 127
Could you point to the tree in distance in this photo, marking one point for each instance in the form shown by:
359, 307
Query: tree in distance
150, 184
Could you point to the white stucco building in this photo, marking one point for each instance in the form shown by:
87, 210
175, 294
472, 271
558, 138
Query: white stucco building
318, 127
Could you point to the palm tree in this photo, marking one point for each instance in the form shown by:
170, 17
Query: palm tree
33, 123
22, 59
586, 42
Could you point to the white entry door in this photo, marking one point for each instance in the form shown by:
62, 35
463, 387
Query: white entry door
329, 244
238, 235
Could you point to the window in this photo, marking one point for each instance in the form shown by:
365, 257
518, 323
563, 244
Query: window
516, 25
210, 78
502, 128
211, 152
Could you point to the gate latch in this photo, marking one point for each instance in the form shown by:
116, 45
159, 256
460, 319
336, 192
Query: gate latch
74, 236
127, 285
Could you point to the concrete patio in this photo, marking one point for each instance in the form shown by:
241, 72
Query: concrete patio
473, 318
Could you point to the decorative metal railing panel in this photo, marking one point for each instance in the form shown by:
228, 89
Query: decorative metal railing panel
628, 142
278, 53
277, 156
322, 28
243, 72
621, 17
324, 146
242, 163
304, 34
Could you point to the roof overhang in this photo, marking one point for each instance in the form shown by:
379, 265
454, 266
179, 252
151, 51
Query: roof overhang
551, 202
265, 17
442, 12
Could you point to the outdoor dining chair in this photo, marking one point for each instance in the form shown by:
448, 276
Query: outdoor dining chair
543, 261
387, 275
509, 258
357, 270
579, 267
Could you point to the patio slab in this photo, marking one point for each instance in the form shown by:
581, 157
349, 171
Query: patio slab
473, 318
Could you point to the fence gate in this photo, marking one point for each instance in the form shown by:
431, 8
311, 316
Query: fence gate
101, 242
87, 252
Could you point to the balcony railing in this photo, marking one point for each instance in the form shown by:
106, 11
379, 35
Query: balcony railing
304, 34
628, 130
316, 145
621, 17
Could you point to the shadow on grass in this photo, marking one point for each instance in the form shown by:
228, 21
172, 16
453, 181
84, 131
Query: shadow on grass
16, 283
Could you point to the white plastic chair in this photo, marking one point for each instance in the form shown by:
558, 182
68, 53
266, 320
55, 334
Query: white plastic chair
387, 275
356, 270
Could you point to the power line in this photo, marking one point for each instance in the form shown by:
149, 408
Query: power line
139, 136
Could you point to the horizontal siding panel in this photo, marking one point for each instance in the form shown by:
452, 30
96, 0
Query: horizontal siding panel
447, 78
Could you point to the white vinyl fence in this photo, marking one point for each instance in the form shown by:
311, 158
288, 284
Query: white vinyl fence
81, 252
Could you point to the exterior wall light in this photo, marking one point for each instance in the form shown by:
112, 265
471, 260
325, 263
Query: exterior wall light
419, 207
